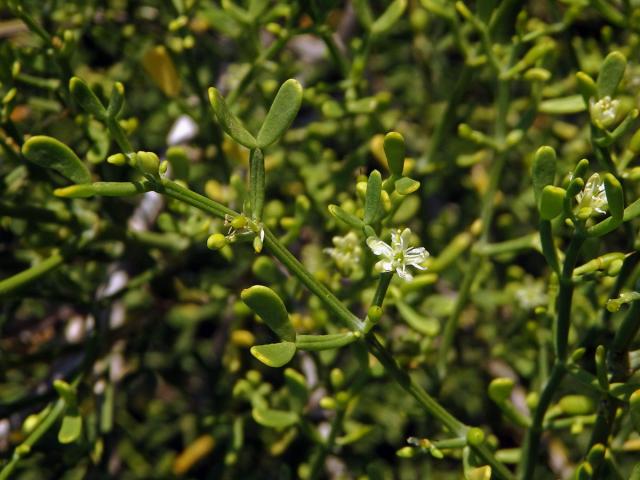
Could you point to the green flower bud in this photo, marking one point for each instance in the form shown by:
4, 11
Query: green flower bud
328, 403
475, 436
239, 222
337, 378
148, 163
117, 159
374, 313
576, 405
406, 452
216, 241
342, 398
596, 455
500, 389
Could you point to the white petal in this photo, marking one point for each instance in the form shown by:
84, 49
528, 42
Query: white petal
378, 247
405, 236
404, 274
383, 266
396, 237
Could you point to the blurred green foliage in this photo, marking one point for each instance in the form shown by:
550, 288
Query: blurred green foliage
125, 346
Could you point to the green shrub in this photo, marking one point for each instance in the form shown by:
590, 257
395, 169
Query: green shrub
311, 239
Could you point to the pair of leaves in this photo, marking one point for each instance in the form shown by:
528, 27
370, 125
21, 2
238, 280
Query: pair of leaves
373, 207
90, 103
51, 153
270, 308
280, 116
609, 77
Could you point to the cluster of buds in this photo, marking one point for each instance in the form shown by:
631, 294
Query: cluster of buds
346, 252
240, 228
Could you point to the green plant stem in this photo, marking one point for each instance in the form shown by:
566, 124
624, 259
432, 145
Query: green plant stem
617, 357
9, 285
174, 190
561, 334
625, 334
381, 290
526, 242
339, 59
119, 136
530, 448
565, 295
271, 242
548, 247
445, 125
337, 308
24, 448
430, 404
486, 216
325, 448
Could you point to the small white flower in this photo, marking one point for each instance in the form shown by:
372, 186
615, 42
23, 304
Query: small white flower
531, 295
593, 197
604, 111
346, 252
398, 256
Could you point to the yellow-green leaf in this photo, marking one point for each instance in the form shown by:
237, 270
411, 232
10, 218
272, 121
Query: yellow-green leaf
268, 417
51, 153
394, 150
615, 196
390, 16
551, 202
229, 122
268, 306
563, 105
372, 201
158, 64
611, 72
85, 97
345, 216
71, 428
543, 171
103, 189
282, 112
274, 354
634, 408
406, 185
